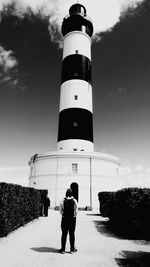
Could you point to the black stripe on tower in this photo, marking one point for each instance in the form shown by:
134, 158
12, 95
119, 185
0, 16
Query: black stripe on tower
75, 123
76, 66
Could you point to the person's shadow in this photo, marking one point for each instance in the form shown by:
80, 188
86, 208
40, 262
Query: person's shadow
45, 249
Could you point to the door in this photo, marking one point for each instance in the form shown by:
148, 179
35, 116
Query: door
75, 190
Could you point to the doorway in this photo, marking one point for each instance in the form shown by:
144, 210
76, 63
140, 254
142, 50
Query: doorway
75, 190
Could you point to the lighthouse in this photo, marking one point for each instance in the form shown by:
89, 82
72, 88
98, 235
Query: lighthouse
75, 131
75, 164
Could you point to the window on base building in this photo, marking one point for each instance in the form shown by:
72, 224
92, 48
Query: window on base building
76, 97
75, 124
74, 167
76, 74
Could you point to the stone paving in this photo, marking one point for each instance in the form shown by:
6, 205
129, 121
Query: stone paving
37, 245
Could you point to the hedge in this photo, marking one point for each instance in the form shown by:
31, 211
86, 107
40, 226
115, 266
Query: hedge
106, 200
18, 206
129, 208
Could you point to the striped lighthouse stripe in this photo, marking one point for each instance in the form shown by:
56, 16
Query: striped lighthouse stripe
75, 130
76, 67
73, 94
75, 123
77, 42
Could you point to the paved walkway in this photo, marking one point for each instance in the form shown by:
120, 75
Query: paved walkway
37, 244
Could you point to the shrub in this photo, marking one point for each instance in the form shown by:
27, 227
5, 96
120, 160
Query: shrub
18, 206
106, 200
127, 208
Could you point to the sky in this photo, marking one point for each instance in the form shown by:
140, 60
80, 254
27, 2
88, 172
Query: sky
30, 75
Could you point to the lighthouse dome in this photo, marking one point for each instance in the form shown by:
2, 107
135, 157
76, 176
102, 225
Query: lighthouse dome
77, 20
77, 9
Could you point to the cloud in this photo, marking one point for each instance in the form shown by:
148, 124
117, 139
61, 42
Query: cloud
129, 3
8, 67
9, 73
135, 177
15, 175
139, 168
117, 91
104, 13
7, 59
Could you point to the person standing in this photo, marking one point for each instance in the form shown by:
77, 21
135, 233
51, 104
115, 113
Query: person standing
46, 205
68, 210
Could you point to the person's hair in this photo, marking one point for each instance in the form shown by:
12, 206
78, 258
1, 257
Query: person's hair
69, 192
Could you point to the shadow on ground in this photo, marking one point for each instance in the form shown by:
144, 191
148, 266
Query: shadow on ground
106, 228
134, 259
93, 214
45, 249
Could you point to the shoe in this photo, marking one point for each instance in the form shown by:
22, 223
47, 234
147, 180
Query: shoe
62, 251
73, 250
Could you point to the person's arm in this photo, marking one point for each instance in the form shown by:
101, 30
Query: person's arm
61, 208
75, 207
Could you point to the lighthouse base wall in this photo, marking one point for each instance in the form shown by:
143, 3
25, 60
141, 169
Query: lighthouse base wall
86, 174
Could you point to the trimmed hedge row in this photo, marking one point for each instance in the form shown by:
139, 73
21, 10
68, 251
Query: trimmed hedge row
18, 206
129, 208
106, 200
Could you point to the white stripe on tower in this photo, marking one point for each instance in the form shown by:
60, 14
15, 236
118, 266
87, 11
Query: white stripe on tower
75, 131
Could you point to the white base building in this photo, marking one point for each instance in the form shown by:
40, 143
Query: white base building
86, 173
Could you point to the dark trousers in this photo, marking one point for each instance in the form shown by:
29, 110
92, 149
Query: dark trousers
46, 211
68, 225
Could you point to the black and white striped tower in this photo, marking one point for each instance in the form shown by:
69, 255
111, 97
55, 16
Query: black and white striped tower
75, 131
75, 164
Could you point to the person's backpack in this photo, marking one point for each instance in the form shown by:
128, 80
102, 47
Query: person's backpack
68, 207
